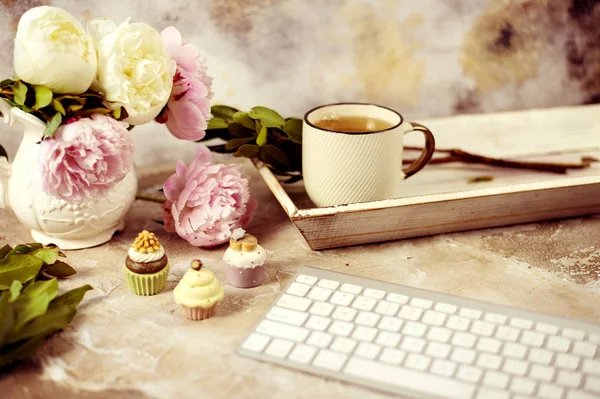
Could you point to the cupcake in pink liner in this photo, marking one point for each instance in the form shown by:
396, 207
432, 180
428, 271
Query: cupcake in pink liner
198, 292
244, 260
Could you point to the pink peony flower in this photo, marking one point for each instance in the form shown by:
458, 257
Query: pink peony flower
206, 201
86, 158
188, 110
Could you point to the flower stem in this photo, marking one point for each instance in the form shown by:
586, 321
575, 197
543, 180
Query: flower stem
151, 199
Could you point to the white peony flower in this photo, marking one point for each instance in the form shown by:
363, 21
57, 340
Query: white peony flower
53, 49
134, 68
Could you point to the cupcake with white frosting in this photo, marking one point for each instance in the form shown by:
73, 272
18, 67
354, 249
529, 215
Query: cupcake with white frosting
244, 260
198, 292
146, 265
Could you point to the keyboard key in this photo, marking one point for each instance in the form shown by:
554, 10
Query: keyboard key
584, 349
319, 339
558, 344
580, 395
367, 319
363, 333
541, 373
494, 318
318, 323
546, 328
465, 356
541, 356
507, 333
470, 313
341, 328
387, 308
421, 303
515, 367
390, 324
391, 356
329, 284
280, 330
303, 278
368, 350
414, 329
495, 379
592, 384
458, 323
279, 347
417, 362
532, 338
567, 362
550, 391
488, 361
438, 350
373, 293
256, 342
294, 302
465, 340
407, 379
521, 323
364, 303
594, 338
302, 353
445, 307
442, 367
468, 373
386, 338
522, 385
572, 333
321, 308
344, 314
439, 334
516, 351
490, 345
298, 289
397, 298
591, 366
568, 378
330, 360
491, 393
351, 289
344, 345
484, 328
287, 316
411, 344
319, 294
433, 318
408, 312
341, 298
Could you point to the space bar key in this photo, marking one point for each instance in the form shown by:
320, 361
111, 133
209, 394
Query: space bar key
408, 379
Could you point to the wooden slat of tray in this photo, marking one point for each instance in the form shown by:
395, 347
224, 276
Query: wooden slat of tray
440, 199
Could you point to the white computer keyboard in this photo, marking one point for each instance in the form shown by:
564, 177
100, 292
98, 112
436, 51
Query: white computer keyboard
419, 343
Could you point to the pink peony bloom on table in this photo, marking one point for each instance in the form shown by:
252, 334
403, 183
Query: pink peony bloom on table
188, 109
206, 201
86, 158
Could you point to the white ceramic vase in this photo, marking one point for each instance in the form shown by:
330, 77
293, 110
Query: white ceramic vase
53, 220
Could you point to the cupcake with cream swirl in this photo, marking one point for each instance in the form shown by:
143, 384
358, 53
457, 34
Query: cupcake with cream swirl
198, 292
146, 265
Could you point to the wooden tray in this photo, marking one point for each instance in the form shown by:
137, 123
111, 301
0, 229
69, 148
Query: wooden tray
440, 199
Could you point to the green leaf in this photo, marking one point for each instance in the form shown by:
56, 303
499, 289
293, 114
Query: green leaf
117, 113
235, 143
267, 116
293, 129
261, 139
53, 320
249, 150
59, 270
6, 83
7, 315
23, 350
15, 290
223, 111
275, 156
18, 267
35, 245
216, 123
48, 255
3, 153
34, 301
52, 125
293, 179
243, 119
21, 249
43, 96
74, 108
5, 250
71, 298
238, 130
20, 91
58, 106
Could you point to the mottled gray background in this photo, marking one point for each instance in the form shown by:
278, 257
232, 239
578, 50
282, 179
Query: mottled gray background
425, 58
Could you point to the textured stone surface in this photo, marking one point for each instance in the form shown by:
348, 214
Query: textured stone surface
124, 346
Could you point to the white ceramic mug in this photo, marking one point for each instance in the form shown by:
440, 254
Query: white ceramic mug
344, 168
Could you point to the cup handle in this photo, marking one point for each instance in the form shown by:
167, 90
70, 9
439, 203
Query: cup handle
427, 151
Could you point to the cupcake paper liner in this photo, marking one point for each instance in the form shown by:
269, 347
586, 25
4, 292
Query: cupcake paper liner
199, 313
147, 284
245, 277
